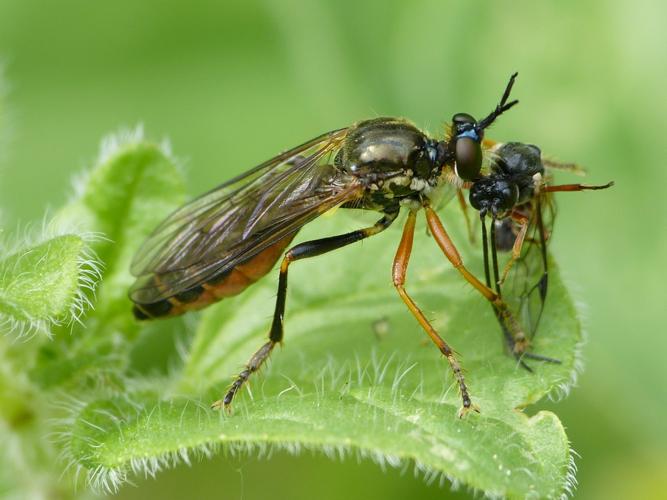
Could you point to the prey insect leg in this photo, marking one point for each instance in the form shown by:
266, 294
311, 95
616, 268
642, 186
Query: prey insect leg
300, 251
487, 276
494, 257
541, 285
511, 328
399, 273
509, 337
575, 187
523, 221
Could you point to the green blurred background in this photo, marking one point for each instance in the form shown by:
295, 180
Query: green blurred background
243, 80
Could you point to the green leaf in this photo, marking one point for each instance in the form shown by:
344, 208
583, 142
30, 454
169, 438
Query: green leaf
356, 376
43, 284
131, 187
46, 286
4, 132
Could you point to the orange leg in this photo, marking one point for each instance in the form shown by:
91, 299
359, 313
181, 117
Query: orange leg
522, 220
511, 328
399, 272
466, 216
575, 187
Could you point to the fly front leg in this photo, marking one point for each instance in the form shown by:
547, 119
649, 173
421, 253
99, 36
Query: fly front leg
298, 252
513, 331
399, 273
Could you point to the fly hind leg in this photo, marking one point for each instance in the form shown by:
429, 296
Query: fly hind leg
298, 252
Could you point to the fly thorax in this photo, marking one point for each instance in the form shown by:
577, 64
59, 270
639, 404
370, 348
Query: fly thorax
404, 184
391, 157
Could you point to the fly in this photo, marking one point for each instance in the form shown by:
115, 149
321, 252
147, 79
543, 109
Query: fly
222, 242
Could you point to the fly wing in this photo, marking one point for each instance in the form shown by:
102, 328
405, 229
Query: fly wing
240, 218
525, 289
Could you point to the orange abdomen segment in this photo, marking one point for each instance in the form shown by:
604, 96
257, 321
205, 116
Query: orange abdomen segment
227, 284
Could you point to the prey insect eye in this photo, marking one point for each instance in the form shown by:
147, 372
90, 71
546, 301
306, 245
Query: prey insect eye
495, 194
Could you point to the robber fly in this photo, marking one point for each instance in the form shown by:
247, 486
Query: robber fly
516, 195
225, 240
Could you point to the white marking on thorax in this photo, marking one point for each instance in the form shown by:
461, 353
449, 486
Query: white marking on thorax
400, 181
410, 203
420, 185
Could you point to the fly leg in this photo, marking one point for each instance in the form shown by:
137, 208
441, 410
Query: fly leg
466, 215
399, 273
572, 168
517, 337
300, 251
522, 220
542, 284
514, 334
576, 187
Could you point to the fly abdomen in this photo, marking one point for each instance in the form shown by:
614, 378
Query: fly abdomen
158, 309
227, 283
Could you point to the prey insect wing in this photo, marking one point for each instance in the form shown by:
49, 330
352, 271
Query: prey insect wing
525, 289
241, 218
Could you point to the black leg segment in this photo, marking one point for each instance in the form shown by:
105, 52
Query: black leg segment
300, 251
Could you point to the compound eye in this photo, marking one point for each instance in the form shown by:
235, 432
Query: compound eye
507, 196
535, 150
468, 157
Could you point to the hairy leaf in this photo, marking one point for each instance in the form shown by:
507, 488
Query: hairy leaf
124, 196
133, 184
356, 376
42, 284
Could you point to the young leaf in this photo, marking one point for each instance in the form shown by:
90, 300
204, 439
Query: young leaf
356, 376
44, 284
132, 186
4, 132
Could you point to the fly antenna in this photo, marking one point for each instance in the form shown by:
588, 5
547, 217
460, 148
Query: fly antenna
501, 107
